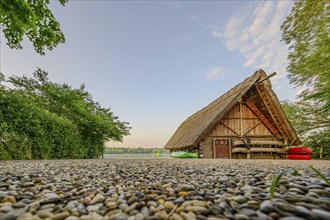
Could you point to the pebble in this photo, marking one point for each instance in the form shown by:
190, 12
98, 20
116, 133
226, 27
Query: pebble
215, 210
169, 205
291, 218
12, 215
97, 199
60, 216
266, 206
304, 212
253, 204
239, 199
138, 189
239, 216
176, 217
10, 199
6, 208
197, 209
321, 214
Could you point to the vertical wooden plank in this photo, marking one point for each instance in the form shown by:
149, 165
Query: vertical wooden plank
241, 119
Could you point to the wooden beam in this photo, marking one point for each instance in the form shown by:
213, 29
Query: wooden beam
239, 150
273, 113
257, 149
249, 129
259, 142
268, 150
263, 118
241, 120
271, 75
228, 127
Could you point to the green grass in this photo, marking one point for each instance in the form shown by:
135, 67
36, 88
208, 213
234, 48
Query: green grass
320, 175
294, 172
277, 179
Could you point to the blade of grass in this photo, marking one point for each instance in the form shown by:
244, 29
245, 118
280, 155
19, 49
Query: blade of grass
320, 175
277, 179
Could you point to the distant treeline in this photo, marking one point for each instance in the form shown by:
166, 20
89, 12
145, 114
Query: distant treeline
139, 150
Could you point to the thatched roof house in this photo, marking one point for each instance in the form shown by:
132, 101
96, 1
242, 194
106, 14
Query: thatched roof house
245, 122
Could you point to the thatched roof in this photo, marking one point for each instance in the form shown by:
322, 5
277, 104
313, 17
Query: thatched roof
196, 127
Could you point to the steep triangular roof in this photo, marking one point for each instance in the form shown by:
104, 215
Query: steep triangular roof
192, 130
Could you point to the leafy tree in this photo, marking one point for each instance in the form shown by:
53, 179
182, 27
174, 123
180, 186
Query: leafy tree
50, 116
307, 32
33, 19
311, 125
29, 132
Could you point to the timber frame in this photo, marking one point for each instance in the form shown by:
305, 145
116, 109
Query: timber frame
249, 116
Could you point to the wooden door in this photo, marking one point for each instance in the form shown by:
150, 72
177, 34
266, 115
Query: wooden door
221, 148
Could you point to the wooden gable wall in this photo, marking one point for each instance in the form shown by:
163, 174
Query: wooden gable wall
240, 121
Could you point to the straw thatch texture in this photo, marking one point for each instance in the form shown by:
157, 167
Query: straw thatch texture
192, 130
196, 127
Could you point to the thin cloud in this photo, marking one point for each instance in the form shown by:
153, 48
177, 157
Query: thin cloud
256, 34
213, 74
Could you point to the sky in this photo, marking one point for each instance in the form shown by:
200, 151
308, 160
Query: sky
155, 63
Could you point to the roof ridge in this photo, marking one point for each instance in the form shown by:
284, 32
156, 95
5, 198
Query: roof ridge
209, 106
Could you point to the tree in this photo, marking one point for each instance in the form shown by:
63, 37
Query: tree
54, 120
307, 32
311, 125
33, 19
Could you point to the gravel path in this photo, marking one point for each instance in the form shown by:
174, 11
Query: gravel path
156, 189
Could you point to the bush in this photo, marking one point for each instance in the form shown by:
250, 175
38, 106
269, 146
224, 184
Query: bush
28, 132
45, 120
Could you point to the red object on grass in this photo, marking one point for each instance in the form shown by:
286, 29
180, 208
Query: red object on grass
299, 157
300, 150
299, 153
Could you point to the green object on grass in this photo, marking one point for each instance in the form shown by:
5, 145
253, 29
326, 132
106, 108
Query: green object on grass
183, 154
193, 155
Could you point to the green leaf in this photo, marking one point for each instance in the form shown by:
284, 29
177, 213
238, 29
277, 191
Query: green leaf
320, 175
277, 179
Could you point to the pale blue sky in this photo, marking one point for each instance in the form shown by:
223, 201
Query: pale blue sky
156, 63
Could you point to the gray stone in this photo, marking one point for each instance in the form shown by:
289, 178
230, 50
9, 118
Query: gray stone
320, 192
321, 214
266, 206
239, 199
285, 206
6, 208
12, 215
248, 212
223, 179
131, 207
239, 216
145, 211
215, 210
179, 201
197, 209
246, 188
94, 208
19, 205
97, 199
305, 213
60, 216
291, 218
132, 200
118, 216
